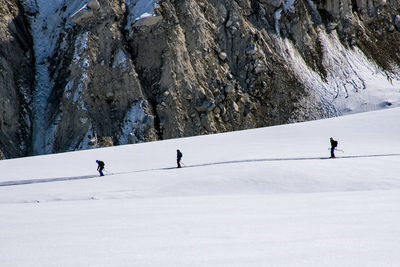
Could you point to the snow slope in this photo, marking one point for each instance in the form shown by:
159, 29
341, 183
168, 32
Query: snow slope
262, 197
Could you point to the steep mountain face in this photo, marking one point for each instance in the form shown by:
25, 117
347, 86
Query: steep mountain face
16, 80
124, 71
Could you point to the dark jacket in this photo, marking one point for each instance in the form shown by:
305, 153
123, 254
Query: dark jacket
100, 164
334, 143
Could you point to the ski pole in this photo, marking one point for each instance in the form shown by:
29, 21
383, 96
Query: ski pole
337, 150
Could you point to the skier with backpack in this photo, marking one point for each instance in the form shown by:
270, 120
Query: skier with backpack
178, 158
100, 167
334, 144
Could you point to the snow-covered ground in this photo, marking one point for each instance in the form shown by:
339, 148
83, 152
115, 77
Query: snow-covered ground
262, 197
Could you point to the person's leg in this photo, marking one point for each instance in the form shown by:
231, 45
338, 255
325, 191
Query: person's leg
179, 163
332, 152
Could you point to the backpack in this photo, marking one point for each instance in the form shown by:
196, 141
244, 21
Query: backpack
101, 164
334, 143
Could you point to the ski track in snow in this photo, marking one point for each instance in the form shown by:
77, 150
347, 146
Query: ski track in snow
62, 179
49, 180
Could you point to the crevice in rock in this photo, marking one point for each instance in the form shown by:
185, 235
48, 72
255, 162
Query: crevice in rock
157, 121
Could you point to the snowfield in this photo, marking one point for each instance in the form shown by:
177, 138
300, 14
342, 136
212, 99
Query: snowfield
262, 197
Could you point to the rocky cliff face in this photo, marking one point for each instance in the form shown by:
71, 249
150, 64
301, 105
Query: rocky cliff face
16, 80
116, 72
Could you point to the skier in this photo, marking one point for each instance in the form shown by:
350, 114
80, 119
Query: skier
334, 144
178, 158
100, 167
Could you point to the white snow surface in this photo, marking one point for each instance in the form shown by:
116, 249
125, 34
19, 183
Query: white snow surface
261, 197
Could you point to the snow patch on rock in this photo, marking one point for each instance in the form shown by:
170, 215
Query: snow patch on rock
48, 22
140, 10
135, 124
353, 83
81, 58
285, 6
120, 60
86, 142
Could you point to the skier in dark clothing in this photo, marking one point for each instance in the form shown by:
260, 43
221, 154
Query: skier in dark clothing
178, 158
334, 144
100, 167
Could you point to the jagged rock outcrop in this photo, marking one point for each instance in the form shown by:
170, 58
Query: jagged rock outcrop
16, 80
114, 75
217, 65
97, 92
214, 72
